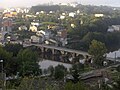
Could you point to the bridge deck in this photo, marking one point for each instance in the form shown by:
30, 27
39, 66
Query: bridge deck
60, 48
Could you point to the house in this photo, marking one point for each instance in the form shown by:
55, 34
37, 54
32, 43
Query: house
114, 28
62, 17
35, 39
29, 16
115, 54
35, 23
78, 12
51, 12
16, 42
33, 28
10, 13
73, 4
7, 24
62, 36
72, 25
110, 29
27, 41
99, 15
42, 12
71, 14
62, 33
47, 33
22, 28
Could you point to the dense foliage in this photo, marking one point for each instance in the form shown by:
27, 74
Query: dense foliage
97, 50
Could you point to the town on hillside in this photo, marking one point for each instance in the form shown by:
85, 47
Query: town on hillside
65, 46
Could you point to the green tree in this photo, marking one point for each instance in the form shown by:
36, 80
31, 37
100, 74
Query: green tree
60, 71
51, 70
14, 48
97, 50
77, 86
7, 59
76, 70
28, 62
117, 86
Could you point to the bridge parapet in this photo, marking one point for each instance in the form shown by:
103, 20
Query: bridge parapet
62, 52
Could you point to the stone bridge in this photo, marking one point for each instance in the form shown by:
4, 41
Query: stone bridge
70, 54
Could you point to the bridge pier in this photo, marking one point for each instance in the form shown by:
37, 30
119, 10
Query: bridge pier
53, 51
62, 54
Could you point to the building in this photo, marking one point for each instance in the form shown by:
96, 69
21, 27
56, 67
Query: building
72, 25
62, 17
71, 14
62, 33
35, 39
23, 28
99, 15
47, 33
7, 24
10, 13
114, 28
62, 36
35, 23
115, 54
33, 28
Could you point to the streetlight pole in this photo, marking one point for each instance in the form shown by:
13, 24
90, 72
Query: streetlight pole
115, 56
3, 88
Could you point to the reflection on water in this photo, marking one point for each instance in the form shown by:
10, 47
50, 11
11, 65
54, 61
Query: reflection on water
46, 63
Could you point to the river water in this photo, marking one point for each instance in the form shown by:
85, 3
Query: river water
44, 64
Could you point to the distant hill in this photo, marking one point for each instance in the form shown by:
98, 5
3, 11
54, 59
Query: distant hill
44, 8
52, 8
89, 9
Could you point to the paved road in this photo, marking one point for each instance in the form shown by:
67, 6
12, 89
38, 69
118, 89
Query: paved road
97, 72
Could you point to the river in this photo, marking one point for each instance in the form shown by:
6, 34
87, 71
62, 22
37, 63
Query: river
44, 64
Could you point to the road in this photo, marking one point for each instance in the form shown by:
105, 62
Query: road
96, 73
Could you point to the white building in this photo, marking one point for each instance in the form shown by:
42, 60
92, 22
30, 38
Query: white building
23, 28
114, 28
71, 14
99, 15
62, 17
42, 12
35, 23
72, 25
115, 54
47, 33
33, 28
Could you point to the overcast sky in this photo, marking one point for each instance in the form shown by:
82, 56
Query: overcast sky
12, 3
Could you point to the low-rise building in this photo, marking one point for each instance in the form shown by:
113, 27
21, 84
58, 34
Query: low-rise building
47, 33
35, 39
114, 28
23, 28
33, 28
99, 15
62, 16
71, 14
73, 25
35, 23
62, 36
7, 24
114, 55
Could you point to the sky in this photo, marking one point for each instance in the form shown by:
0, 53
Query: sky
28, 3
